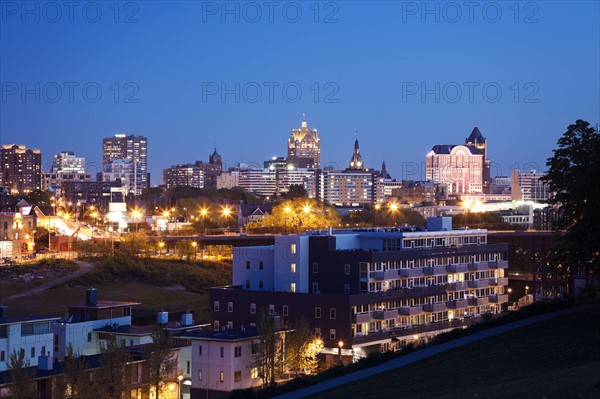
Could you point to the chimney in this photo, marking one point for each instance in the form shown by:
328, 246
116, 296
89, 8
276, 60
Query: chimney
45, 362
162, 317
3, 311
91, 298
186, 319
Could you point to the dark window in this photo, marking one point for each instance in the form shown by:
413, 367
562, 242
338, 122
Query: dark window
317, 313
315, 268
238, 351
285, 310
199, 350
222, 352
332, 313
2, 356
237, 376
33, 352
260, 284
346, 269
247, 283
247, 265
260, 265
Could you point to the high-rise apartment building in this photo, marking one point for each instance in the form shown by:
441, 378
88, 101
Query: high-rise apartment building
127, 157
188, 175
68, 162
21, 168
304, 147
356, 185
529, 187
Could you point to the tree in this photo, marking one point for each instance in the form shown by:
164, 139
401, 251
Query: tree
296, 216
573, 179
113, 374
296, 191
133, 244
302, 348
21, 384
161, 361
76, 382
268, 353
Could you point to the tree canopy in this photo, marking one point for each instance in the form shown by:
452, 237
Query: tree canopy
573, 179
295, 216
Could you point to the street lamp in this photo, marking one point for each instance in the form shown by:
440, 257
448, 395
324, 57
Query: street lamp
306, 209
341, 344
179, 379
195, 245
136, 215
160, 246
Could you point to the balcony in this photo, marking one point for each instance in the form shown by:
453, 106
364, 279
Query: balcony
410, 310
434, 307
499, 281
478, 266
411, 272
499, 298
457, 304
498, 264
362, 318
435, 270
457, 268
457, 286
384, 275
478, 301
399, 332
483, 283
385, 314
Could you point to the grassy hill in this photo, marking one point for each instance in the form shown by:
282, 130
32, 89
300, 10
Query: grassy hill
157, 284
559, 358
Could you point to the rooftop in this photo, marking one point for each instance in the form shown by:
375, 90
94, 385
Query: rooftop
225, 334
103, 305
25, 319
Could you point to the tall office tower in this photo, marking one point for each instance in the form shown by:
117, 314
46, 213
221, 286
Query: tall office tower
304, 147
464, 168
126, 150
476, 140
67, 162
21, 168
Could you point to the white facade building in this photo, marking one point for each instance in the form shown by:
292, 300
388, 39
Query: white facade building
31, 335
223, 360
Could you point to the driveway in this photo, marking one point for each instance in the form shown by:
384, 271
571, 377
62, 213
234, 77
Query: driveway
84, 267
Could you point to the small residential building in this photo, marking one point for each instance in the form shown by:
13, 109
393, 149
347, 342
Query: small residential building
223, 361
31, 335
83, 319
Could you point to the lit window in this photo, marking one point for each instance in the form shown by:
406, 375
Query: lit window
293, 287
237, 376
254, 373
293, 268
221, 376
293, 248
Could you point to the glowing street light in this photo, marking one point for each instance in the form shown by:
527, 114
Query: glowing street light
287, 209
306, 209
393, 207
161, 245
377, 207
136, 215
203, 212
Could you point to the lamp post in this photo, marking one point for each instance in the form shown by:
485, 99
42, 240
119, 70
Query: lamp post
341, 344
160, 246
195, 245
136, 215
179, 379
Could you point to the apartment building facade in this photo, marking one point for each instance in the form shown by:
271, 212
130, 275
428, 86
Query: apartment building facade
369, 289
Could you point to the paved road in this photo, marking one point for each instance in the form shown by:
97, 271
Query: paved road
424, 353
84, 267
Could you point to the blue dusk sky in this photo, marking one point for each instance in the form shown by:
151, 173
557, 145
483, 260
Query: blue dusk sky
239, 75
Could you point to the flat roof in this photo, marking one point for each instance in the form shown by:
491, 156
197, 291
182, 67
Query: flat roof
103, 305
25, 319
226, 334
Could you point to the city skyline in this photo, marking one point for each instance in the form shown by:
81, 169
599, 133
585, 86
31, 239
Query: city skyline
401, 74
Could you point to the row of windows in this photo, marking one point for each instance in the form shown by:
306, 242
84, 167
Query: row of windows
261, 265
22, 353
237, 351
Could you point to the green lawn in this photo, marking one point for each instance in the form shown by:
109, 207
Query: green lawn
157, 284
55, 300
22, 277
559, 358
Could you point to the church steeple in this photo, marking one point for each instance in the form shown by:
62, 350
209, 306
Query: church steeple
356, 162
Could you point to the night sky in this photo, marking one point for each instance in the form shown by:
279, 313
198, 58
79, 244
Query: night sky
403, 75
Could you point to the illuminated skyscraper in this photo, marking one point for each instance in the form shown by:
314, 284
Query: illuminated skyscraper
21, 168
131, 151
304, 147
